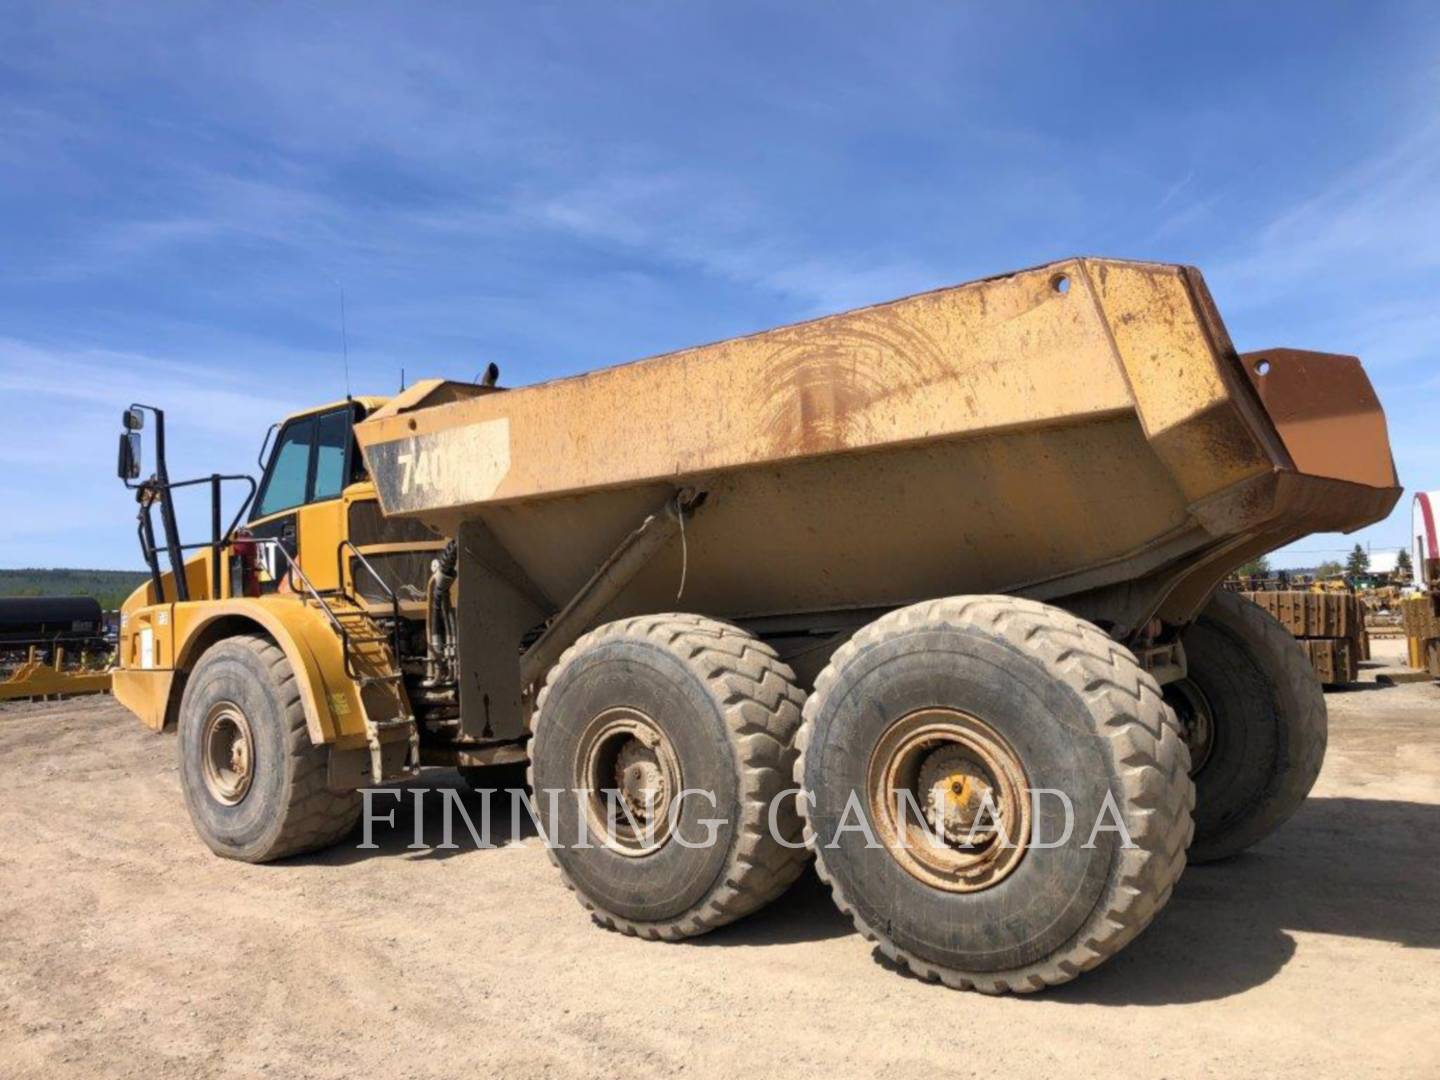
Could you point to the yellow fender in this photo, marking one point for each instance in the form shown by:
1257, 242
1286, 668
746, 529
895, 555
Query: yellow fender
333, 709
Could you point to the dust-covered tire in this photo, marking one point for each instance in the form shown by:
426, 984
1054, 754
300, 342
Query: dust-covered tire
1269, 725
1079, 714
730, 710
287, 807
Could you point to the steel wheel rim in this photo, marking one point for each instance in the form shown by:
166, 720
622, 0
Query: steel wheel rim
227, 753
970, 789
625, 751
1197, 720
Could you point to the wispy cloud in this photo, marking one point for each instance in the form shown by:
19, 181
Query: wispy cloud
208, 400
708, 224
1173, 191
214, 209
1372, 224
1351, 266
60, 474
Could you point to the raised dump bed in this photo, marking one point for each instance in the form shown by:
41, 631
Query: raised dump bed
1083, 430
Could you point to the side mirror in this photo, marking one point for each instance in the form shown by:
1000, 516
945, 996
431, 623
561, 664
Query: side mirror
128, 466
133, 420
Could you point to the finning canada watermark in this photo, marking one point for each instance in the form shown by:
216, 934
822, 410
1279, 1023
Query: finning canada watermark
692, 818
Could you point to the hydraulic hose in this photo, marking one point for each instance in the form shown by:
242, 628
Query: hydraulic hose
438, 619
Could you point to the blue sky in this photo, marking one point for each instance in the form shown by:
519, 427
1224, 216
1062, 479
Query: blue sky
184, 189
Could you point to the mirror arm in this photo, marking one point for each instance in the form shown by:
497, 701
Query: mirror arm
260, 457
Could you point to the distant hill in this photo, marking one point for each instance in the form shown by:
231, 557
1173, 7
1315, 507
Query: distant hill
110, 587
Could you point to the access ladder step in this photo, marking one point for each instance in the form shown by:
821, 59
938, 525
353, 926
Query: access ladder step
394, 748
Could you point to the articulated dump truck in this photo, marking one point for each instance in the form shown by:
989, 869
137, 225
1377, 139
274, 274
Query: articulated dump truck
926, 591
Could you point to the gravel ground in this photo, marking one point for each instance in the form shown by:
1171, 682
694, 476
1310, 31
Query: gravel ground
126, 949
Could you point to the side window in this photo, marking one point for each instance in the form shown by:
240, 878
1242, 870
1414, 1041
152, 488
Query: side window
285, 480
332, 438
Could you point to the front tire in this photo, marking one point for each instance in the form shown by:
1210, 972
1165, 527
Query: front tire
649, 707
1255, 714
968, 699
255, 785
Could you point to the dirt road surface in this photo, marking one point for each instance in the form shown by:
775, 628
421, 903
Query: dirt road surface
126, 949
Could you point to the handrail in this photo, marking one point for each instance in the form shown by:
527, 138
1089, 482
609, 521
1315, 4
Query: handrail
212, 479
149, 548
394, 600
292, 571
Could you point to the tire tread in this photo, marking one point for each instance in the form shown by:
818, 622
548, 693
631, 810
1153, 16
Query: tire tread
1147, 747
314, 817
761, 707
1301, 752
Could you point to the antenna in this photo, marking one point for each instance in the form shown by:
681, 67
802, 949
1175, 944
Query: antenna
402, 380
345, 342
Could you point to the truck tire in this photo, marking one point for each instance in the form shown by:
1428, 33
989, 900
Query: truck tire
1255, 717
650, 707
255, 785
977, 701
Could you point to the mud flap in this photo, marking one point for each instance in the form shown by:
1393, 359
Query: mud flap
392, 753
394, 749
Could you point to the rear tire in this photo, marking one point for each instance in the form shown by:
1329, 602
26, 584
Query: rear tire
255, 785
1258, 693
1014, 696
658, 704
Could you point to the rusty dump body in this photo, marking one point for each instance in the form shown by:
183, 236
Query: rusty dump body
1082, 432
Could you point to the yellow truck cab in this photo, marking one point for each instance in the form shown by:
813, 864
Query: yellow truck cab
309, 584
313, 474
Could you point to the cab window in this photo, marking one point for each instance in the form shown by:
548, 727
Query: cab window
314, 458
289, 469
332, 441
